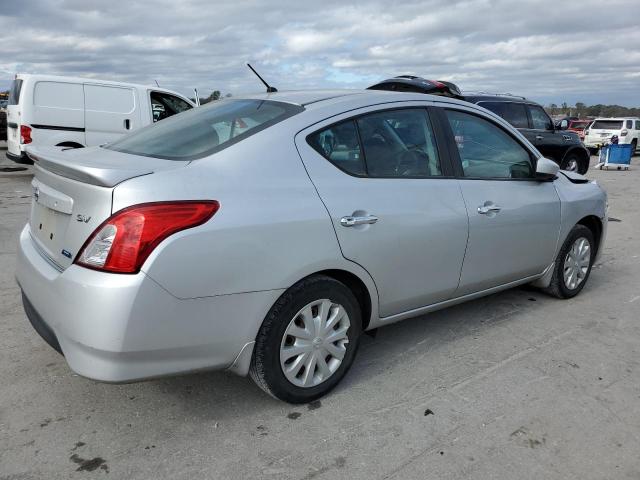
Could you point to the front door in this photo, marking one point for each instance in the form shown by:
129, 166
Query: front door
548, 140
514, 220
394, 205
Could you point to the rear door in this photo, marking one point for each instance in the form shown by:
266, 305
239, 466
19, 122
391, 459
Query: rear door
514, 220
110, 112
395, 207
13, 117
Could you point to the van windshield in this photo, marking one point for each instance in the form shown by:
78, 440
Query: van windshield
607, 125
205, 130
14, 92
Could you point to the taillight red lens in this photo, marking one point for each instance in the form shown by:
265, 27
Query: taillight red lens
25, 134
125, 240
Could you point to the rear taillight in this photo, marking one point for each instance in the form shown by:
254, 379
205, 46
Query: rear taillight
623, 133
124, 241
25, 134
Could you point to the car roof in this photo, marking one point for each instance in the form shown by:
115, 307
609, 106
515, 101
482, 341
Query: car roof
616, 118
496, 97
311, 99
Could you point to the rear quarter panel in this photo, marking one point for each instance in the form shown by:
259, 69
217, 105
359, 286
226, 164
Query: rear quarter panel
271, 230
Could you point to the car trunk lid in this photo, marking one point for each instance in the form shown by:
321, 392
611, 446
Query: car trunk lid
72, 195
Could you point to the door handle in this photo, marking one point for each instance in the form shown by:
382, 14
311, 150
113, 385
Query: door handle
350, 221
539, 137
484, 209
127, 124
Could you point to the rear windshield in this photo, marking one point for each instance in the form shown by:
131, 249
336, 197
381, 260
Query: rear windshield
205, 130
607, 125
14, 92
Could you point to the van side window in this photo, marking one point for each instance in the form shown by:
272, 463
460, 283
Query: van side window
629, 124
164, 105
637, 124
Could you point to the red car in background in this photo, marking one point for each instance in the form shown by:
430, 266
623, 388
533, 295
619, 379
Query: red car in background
579, 126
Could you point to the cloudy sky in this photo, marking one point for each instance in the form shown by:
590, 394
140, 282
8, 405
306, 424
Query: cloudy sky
564, 50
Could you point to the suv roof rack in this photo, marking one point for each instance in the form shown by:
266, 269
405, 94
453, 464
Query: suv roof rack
412, 83
506, 94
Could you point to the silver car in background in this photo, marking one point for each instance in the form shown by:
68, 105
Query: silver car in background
265, 234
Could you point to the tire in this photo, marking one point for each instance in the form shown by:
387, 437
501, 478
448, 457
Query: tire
267, 365
558, 286
574, 163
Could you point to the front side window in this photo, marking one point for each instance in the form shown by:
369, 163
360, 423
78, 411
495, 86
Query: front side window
164, 105
387, 144
205, 130
487, 151
514, 113
539, 118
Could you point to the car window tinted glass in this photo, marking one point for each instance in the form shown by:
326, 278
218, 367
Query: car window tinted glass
164, 105
514, 113
340, 145
399, 143
205, 130
539, 118
487, 151
607, 125
14, 92
629, 124
637, 124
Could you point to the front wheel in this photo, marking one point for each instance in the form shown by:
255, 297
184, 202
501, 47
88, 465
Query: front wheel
573, 163
308, 340
573, 263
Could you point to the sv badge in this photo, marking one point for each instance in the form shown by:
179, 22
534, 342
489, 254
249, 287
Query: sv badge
82, 218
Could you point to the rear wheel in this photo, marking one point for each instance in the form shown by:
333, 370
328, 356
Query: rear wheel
573, 263
308, 340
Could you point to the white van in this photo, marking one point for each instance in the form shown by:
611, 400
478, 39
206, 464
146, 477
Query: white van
602, 129
77, 112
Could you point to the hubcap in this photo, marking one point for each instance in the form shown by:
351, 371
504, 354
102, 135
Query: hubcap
576, 263
572, 165
314, 343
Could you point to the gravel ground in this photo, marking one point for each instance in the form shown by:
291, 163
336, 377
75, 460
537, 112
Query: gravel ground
515, 385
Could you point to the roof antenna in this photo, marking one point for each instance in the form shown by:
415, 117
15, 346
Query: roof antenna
157, 84
270, 89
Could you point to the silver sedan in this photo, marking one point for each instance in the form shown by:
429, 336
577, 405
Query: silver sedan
264, 234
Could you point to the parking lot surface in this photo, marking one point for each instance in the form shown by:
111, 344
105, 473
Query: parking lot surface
515, 385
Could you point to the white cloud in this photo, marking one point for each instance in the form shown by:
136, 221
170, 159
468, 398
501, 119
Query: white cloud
550, 51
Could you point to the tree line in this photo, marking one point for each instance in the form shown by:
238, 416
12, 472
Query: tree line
582, 110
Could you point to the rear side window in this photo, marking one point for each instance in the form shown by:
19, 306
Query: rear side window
387, 144
14, 92
514, 113
340, 145
607, 125
629, 123
205, 130
68, 96
637, 124
487, 151
539, 118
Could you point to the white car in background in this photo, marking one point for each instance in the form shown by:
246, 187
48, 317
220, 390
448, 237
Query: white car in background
602, 129
46, 110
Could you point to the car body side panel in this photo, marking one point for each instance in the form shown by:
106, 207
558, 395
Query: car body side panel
271, 229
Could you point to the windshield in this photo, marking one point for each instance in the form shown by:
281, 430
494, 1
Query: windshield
205, 130
14, 92
607, 125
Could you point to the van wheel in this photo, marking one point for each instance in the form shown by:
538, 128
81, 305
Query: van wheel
573, 263
307, 341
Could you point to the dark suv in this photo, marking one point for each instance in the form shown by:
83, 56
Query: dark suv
562, 146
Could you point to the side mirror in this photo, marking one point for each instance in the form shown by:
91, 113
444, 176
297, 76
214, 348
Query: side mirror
564, 125
546, 169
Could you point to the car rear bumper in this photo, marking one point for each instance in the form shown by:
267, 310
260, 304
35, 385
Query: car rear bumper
22, 158
121, 328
